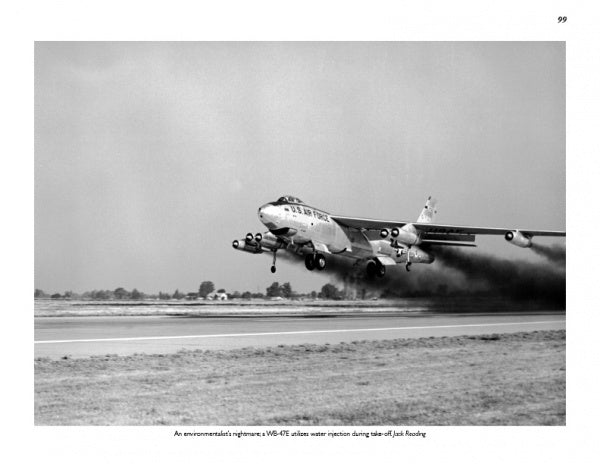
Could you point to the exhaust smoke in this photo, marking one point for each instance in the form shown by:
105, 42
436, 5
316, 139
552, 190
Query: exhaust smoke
556, 254
515, 279
457, 273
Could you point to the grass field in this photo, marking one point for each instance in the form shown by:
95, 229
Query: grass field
504, 379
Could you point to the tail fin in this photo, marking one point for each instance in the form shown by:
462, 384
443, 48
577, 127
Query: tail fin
428, 213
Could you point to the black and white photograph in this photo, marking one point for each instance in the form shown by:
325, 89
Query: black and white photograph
374, 229
306, 243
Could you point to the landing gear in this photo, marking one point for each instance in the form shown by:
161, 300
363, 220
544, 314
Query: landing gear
315, 262
371, 269
273, 268
375, 268
309, 262
408, 267
320, 262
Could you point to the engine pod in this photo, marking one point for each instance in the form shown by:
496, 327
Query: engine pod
518, 239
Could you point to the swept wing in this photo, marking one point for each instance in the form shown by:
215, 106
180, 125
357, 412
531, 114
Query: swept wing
435, 229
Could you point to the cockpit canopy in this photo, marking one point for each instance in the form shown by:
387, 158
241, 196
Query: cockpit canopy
289, 199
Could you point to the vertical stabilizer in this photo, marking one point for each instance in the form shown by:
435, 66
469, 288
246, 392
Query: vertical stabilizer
428, 213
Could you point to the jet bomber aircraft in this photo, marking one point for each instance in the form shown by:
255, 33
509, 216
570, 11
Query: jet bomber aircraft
298, 228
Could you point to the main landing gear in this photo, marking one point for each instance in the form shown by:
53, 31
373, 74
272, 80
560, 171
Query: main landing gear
316, 261
273, 268
375, 268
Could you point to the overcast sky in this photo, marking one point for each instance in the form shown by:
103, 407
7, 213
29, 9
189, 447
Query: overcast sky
150, 158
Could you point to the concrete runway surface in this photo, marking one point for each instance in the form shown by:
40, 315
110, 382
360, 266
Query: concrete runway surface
125, 335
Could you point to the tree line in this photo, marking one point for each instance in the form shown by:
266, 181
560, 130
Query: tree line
205, 290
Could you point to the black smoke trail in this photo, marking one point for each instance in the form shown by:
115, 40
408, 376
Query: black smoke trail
423, 280
454, 273
556, 254
515, 279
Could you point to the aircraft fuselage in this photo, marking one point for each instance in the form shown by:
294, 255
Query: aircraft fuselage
305, 226
298, 228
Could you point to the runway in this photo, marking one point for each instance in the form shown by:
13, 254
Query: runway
56, 337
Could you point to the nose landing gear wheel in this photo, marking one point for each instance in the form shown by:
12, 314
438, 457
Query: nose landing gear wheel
273, 269
309, 262
408, 267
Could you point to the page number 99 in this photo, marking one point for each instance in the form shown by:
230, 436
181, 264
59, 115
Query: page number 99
562, 19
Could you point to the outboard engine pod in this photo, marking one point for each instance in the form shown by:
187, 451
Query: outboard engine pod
518, 239
384, 233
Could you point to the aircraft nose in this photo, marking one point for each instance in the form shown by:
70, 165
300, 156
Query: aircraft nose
268, 215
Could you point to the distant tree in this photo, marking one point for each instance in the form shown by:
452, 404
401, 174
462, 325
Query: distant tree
120, 293
258, 295
274, 290
68, 294
163, 296
330, 292
39, 293
221, 290
178, 295
136, 295
286, 290
313, 294
100, 294
206, 288
235, 295
247, 295
56, 296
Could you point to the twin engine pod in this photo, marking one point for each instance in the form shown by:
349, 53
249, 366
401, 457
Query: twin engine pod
401, 235
257, 243
518, 239
250, 237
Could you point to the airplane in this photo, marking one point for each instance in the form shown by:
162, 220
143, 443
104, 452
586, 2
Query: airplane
298, 228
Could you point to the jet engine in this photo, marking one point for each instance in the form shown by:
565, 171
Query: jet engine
405, 236
246, 245
414, 255
269, 241
258, 243
518, 239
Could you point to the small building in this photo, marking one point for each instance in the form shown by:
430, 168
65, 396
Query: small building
217, 296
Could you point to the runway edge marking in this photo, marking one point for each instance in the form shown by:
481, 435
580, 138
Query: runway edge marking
259, 334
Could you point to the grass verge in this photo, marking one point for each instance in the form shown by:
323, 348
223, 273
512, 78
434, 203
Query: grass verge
503, 379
